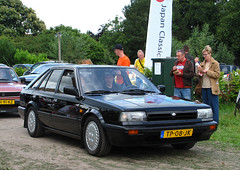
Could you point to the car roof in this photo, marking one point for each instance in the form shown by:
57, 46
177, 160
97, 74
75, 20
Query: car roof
2, 66
91, 66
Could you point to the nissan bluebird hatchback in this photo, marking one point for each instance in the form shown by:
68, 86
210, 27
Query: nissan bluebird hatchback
105, 106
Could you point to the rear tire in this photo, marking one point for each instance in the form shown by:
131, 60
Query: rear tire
184, 146
33, 124
94, 137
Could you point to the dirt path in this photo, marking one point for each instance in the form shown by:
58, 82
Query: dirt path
21, 152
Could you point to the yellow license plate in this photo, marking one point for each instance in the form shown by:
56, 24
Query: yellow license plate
6, 102
176, 133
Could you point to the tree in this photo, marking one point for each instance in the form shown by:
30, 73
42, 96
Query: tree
22, 56
228, 27
7, 51
113, 34
76, 46
35, 44
190, 14
135, 26
16, 19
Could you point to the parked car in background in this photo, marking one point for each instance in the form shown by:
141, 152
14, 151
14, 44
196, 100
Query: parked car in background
2, 64
10, 87
107, 106
23, 66
26, 79
227, 69
34, 66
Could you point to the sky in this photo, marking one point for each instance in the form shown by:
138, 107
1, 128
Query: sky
83, 15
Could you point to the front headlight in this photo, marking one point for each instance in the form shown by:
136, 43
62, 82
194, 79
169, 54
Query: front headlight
132, 116
204, 113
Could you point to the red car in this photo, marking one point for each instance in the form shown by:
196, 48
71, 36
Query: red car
10, 88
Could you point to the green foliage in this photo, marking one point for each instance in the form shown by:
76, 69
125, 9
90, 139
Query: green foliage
229, 87
7, 51
21, 57
228, 132
187, 15
76, 46
148, 73
199, 39
176, 45
113, 34
223, 55
228, 27
135, 26
20, 71
16, 19
35, 44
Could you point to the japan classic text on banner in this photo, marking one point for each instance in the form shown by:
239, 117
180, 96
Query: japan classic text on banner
159, 35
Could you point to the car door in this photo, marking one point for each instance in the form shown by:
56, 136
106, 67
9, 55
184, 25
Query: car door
44, 97
66, 114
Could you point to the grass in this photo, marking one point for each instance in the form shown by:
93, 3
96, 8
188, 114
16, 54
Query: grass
228, 132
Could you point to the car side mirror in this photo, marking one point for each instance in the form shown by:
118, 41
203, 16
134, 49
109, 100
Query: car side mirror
23, 80
161, 88
70, 91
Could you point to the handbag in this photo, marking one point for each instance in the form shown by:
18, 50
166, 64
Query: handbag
198, 88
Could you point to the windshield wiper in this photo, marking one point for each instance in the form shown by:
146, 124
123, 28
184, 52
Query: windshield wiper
101, 92
137, 91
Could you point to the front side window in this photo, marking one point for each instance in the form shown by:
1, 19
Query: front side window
67, 80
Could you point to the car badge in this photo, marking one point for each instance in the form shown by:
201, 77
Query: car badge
3, 94
174, 114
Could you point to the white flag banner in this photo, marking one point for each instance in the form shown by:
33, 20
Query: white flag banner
159, 35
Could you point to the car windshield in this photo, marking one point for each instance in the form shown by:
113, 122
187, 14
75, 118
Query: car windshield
114, 80
8, 75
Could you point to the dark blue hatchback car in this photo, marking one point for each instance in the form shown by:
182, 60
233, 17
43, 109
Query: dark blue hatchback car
105, 106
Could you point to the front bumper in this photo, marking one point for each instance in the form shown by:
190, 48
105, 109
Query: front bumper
9, 108
118, 135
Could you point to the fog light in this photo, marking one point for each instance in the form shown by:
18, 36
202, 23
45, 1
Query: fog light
212, 127
133, 132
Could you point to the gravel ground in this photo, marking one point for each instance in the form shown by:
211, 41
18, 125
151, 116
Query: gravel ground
21, 152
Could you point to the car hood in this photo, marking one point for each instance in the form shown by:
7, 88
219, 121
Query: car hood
148, 102
11, 87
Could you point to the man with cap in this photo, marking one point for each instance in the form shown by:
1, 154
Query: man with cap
123, 59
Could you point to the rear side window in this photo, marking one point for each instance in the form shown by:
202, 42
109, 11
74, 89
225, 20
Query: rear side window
52, 81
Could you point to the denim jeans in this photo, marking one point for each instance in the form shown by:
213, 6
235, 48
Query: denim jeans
212, 100
183, 93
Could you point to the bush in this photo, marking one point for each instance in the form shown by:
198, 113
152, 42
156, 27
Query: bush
21, 57
229, 87
20, 71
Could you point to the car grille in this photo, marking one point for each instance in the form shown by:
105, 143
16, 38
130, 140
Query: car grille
6, 94
171, 115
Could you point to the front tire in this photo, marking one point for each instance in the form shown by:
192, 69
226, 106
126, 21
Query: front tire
184, 146
95, 140
33, 124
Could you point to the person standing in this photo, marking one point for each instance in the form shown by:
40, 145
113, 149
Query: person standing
187, 55
209, 72
183, 73
123, 60
139, 63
